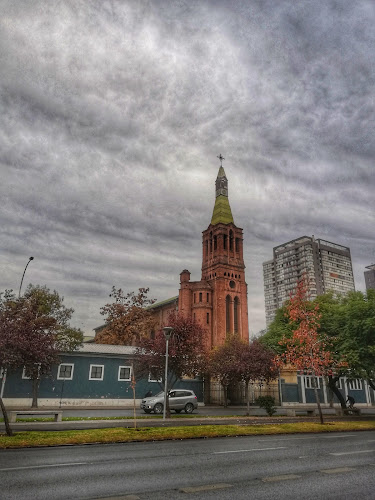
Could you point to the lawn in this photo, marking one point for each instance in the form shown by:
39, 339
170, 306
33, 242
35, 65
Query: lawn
126, 435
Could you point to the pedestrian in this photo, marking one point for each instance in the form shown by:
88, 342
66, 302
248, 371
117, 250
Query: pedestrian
351, 401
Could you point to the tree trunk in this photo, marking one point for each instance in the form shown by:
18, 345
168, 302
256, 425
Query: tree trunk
247, 398
225, 387
6, 421
36, 383
332, 385
317, 399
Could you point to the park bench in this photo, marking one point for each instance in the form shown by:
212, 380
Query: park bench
12, 415
291, 411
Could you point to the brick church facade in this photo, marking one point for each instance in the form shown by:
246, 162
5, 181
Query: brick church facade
219, 300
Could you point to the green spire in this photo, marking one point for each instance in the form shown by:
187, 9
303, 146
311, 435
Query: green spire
222, 212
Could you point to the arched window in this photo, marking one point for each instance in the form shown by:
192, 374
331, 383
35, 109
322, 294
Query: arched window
225, 237
236, 309
230, 240
211, 241
215, 242
237, 244
227, 313
206, 248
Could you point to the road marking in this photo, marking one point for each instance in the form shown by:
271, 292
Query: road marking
206, 487
338, 470
43, 466
339, 436
253, 449
351, 452
285, 477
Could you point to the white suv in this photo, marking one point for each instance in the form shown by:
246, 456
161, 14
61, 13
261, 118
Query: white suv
179, 399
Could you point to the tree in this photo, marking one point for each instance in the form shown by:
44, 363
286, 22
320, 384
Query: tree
236, 361
34, 330
127, 318
187, 352
306, 349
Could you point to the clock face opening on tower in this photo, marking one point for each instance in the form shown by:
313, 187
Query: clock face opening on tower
232, 284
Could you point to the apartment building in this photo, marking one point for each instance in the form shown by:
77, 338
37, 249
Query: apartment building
327, 265
370, 277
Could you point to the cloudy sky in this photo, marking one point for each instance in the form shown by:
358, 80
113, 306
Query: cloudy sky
113, 114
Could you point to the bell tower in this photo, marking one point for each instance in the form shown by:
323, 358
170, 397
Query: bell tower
223, 268
219, 300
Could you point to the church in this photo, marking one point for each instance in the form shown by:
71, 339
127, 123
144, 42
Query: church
219, 300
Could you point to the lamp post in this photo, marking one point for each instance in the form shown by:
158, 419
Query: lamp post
167, 333
30, 259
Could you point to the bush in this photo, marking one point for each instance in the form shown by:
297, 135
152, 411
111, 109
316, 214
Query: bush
268, 403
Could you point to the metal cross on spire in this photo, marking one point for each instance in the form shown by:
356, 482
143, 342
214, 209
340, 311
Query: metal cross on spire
221, 158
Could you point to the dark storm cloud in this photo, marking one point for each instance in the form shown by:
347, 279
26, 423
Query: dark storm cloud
112, 115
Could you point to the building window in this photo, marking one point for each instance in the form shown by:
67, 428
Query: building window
208, 318
215, 242
24, 376
200, 296
225, 237
235, 313
355, 385
227, 313
96, 372
65, 371
152, 377
309, 384
208, 297
124, 373
230, 240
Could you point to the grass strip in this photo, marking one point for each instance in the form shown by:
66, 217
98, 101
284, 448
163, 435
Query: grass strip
124, 435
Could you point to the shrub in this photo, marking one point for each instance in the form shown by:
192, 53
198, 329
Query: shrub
268, 403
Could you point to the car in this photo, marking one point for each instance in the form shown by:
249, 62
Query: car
179, 399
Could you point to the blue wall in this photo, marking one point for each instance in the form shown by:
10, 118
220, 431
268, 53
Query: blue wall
83, 388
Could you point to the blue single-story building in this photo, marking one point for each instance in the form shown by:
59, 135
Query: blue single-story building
94, 375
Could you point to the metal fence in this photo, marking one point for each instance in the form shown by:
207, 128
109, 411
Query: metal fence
237, 393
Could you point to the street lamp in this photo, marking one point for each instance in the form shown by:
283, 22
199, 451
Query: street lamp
167, 334
30, 259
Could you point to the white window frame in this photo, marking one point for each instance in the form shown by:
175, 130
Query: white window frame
309, 382
355, 384
124, 379
59, 377
95, 378
24, 374
340, 383
153, 379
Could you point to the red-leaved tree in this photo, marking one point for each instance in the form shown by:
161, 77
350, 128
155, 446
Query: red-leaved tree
187, 352
307, 350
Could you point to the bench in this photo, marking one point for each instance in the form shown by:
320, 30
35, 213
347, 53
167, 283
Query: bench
291, 412
12, 415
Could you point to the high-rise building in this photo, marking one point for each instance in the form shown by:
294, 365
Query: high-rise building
327, 265
370, 277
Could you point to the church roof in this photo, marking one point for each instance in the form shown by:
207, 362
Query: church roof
222, 211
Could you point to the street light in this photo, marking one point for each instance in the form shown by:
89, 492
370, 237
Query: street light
167, 334
30, 259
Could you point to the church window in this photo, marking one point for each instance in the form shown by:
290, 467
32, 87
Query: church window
237, 244
215, 242
200, 296
208, 318
225, 274
195, 298
227, 313
235, 314
230, 240
211, 241
206, 248
225, 237
208, 297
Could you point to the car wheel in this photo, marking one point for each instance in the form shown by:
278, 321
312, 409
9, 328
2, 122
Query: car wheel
158, 408
178, 411
189, 408
147, 411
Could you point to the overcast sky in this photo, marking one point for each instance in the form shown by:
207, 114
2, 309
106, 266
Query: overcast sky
113, 114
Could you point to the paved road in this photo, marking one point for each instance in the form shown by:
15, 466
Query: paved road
333, 466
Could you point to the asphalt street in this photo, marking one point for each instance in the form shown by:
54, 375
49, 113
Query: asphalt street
322, 466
